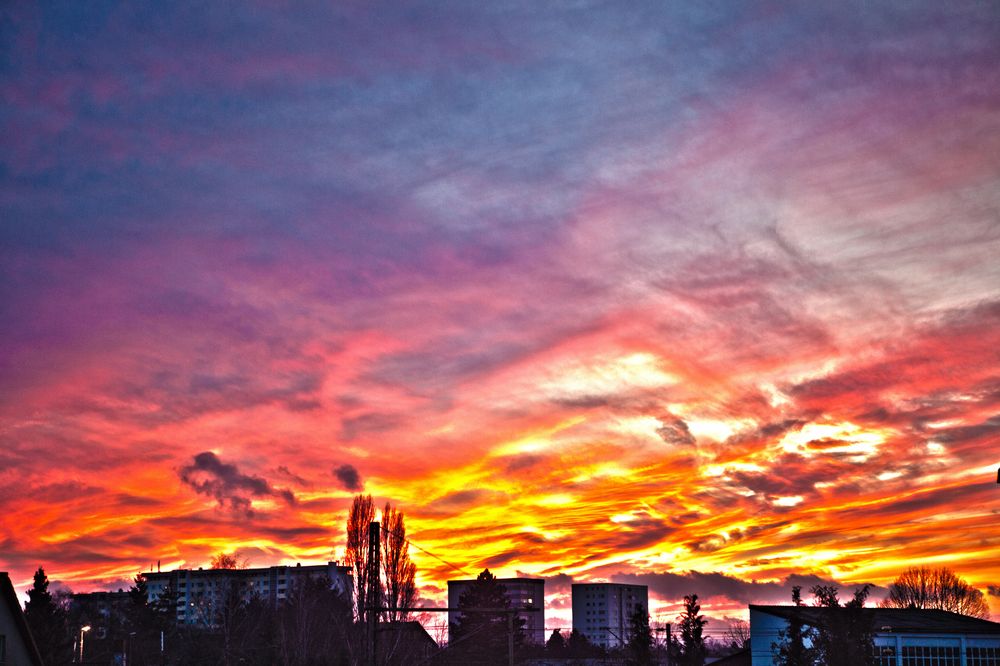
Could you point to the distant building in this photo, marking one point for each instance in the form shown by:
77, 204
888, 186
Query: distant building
903, 636
522, 592
100, 610
201, 590
603, 611
16, 644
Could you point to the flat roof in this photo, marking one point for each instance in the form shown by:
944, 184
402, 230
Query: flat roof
894, 620
500, 580
248, 572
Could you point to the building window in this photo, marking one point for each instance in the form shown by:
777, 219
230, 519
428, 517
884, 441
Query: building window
927, 655
982, 656
885, 656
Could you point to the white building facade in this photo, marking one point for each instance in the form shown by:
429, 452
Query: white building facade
603, 611
199, 591
903, 637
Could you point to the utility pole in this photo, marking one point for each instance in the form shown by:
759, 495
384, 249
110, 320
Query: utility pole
374, 594
670, 640
510, 638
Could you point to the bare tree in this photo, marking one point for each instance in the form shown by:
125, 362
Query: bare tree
941, 588
738, 634
314, 625
229, 561
361, 515
398, 570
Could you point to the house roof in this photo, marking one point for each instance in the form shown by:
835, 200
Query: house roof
741, 658
895, 620
410, 630
9, 599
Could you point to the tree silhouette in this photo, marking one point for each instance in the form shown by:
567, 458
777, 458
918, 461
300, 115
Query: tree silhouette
398, 570
47, 622
314, 624
640, 638
738, 634
579, 646
691, 627
846, 636
361, 515
481, 635
229, 561
941, 588
556, 645
791, 648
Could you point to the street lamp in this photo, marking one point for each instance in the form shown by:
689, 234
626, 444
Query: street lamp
128, 650
84, 629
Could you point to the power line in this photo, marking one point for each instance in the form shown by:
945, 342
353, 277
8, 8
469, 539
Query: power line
423, 550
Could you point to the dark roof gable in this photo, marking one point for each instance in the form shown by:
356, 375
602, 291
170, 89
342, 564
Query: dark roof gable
9, 599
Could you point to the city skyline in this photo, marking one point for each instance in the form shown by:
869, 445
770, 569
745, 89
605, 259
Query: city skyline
702, 298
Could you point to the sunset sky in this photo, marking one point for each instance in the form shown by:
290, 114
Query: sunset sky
702, 295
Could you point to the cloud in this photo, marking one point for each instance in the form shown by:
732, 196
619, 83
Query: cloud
208, 475
559, 583
348, 477
371, 422
675, 431
711, 585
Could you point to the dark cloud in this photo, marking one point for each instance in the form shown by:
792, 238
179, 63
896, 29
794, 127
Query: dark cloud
989, 427
349, 477
500, 559
129, 500
714, 542
208, 475
707, 585
584, 402
766, 432
523, 462
554, 584
993, 590
463, 499
675, 431
292, 476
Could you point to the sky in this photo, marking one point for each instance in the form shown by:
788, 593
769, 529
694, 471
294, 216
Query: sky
703, 296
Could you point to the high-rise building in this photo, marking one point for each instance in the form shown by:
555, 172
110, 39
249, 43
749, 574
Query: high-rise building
603, 611
200, 591
522, 592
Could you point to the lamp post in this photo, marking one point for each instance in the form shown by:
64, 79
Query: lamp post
128, 649
84, 629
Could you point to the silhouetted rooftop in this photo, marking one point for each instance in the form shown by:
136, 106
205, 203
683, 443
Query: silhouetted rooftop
895, 620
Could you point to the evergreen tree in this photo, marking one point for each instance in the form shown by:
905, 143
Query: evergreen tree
845, 638
143, 641
791, 648
164, 609
481, 636
47, 622
692, 625
556, 645
141, 616
640, 638
578, 646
